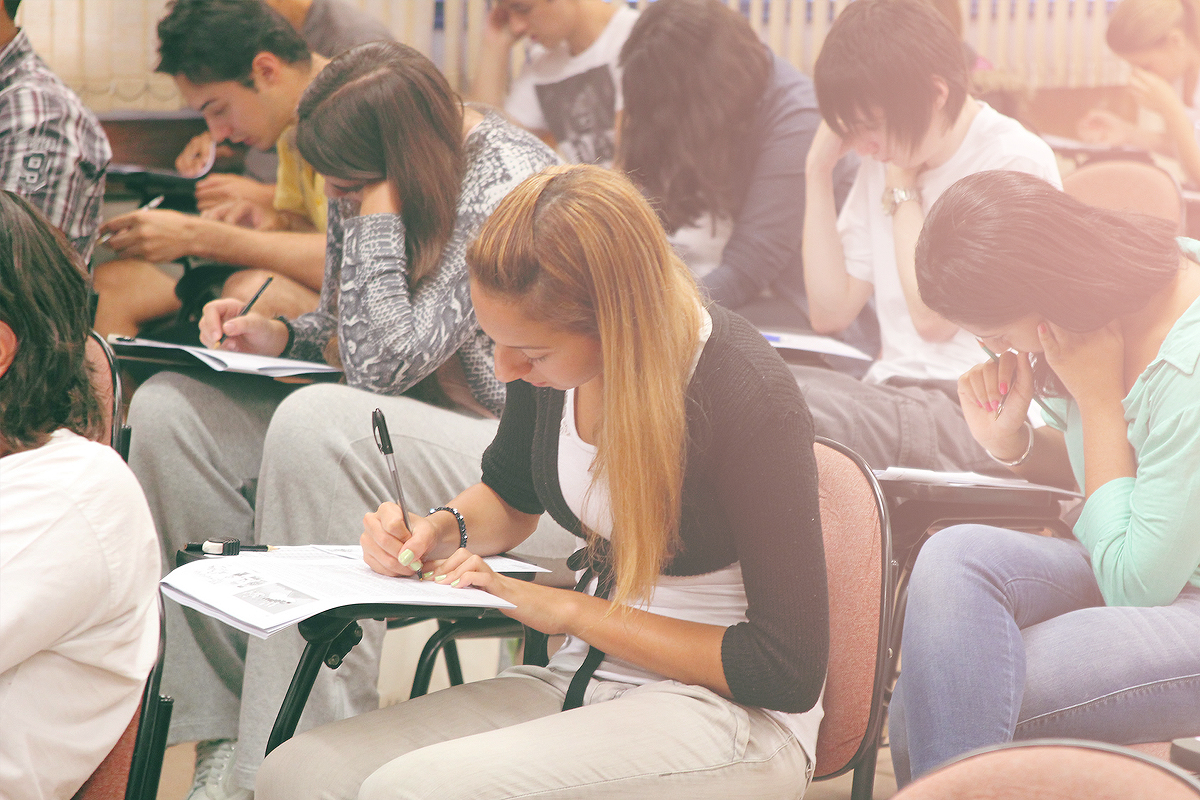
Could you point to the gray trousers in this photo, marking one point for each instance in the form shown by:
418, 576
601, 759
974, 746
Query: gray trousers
229, 455
508, 737
893, 425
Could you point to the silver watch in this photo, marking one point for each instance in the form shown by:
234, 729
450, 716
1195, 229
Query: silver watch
893, 197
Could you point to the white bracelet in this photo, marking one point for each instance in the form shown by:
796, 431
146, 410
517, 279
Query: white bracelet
1024, 456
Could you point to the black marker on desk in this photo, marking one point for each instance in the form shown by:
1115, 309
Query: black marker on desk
1036, 399
246, 308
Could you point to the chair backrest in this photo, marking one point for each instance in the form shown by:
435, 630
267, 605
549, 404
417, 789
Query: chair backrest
861, 579
106, 381
1120, 185
131, 770
1056, 769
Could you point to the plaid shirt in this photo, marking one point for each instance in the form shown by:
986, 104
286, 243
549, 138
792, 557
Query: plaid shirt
53, 151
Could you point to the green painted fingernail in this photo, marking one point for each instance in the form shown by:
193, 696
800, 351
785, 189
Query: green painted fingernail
406, 556
440, 578
454, 582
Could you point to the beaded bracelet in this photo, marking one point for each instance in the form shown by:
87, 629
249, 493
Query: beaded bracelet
1024, 456
462, 523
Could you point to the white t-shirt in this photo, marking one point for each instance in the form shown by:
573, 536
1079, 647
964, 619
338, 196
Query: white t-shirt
576, 98
993, 141
716, 598
79, 569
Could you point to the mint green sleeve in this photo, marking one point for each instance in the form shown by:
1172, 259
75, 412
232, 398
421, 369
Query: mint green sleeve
1144, 532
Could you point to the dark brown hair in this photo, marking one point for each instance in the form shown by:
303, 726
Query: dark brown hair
694, 72
883, 55
384, 111
1001, 245
44, 299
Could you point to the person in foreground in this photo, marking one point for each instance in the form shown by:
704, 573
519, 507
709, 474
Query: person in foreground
412, 174
1013, 635
78, 555
674, 439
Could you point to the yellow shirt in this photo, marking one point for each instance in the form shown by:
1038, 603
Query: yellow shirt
298, 187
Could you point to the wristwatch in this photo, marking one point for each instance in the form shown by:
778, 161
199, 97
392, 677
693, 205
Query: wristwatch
893, 197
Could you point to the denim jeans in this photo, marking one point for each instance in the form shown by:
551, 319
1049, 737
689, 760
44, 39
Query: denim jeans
1006, 636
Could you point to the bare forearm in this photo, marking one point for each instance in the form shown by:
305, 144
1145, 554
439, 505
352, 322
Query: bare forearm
490, 84
689, 652
1181, 130
906, 228
493, 526
1048, 462
826, 281
299, 256
1107, 454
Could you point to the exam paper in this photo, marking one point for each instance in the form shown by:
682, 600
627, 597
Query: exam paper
812, 343
262, 593
220, 360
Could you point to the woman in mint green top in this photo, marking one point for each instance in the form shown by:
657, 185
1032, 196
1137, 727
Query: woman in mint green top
1013, 635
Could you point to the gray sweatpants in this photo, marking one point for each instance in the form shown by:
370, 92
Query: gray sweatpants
229, 455
893, 425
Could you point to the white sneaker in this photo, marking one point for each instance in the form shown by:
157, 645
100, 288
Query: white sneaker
214, 772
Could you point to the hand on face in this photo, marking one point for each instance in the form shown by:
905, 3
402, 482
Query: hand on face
1004, 386
1154, 93
499, 29
826, 149
380, 198
1090, 365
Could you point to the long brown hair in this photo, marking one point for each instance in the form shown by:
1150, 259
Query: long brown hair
1138, 25
44, 299
1000, 245
384, 111
580, 248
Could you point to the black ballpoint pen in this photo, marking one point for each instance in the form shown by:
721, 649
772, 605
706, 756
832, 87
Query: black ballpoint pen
384, 440
246, 308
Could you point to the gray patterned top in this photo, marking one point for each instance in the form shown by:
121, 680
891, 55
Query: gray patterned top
389, 338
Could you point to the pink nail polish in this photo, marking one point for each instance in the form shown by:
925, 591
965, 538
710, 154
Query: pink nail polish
1004, 388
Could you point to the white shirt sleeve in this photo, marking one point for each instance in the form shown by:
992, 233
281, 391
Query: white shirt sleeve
854, 227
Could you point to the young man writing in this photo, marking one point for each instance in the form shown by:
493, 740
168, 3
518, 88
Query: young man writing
244, 67
892, 84
569, 91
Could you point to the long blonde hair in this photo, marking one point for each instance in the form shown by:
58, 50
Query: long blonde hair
1138, 25
580, 249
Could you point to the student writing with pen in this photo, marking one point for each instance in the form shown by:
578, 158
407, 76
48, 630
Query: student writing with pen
671, 438
1011, 635
271, 463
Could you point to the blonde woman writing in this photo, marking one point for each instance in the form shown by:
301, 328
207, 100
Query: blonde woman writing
676, 441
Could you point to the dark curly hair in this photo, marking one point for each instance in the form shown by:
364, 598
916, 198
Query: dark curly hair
44, 300
694, 72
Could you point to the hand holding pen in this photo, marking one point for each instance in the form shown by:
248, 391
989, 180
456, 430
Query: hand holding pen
230, 324
390, 544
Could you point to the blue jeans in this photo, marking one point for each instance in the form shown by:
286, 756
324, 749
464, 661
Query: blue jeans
1006, 636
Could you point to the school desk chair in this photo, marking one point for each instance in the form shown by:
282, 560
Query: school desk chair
106, 382
861, 575
131, 770
1123, 185
1054, 769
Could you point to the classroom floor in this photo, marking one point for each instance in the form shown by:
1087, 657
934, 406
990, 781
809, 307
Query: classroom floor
479, 657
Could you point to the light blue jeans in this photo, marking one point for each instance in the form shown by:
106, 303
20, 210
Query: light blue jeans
1006, 636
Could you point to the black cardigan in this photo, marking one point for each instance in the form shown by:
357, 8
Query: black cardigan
749, 496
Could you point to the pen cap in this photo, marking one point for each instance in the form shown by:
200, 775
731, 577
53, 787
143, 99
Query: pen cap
381, 432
